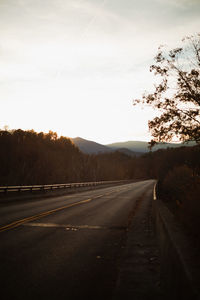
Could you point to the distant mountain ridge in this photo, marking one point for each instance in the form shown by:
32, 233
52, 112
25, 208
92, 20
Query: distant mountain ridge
143, 147
131, 148
90, 147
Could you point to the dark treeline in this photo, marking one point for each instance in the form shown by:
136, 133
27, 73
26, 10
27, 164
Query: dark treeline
28, 158
161, 163
178, 174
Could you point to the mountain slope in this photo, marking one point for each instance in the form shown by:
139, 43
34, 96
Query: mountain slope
90, 147
128, 152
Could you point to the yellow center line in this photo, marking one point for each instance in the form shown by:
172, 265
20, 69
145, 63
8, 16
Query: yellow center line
47, 213
38, 216
99, 196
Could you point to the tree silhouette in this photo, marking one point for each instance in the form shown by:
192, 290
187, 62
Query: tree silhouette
177, 95
28, 157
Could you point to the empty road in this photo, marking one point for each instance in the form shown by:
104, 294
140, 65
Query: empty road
68, 247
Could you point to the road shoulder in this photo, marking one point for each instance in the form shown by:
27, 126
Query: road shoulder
139, 268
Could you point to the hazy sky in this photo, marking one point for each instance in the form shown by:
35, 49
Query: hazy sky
74, 66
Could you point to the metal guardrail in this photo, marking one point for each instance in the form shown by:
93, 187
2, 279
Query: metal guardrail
31, 188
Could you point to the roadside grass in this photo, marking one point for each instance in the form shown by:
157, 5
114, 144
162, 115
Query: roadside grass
180, 190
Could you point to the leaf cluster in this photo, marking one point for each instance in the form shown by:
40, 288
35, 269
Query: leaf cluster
177, 94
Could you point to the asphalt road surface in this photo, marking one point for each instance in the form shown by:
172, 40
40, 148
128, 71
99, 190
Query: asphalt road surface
67, 247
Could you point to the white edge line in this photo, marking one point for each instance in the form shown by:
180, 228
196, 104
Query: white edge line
154, 192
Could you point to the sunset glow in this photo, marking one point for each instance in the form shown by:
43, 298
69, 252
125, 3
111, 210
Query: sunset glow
74, 66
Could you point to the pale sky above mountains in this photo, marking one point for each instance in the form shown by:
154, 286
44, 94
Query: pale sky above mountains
74, 66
